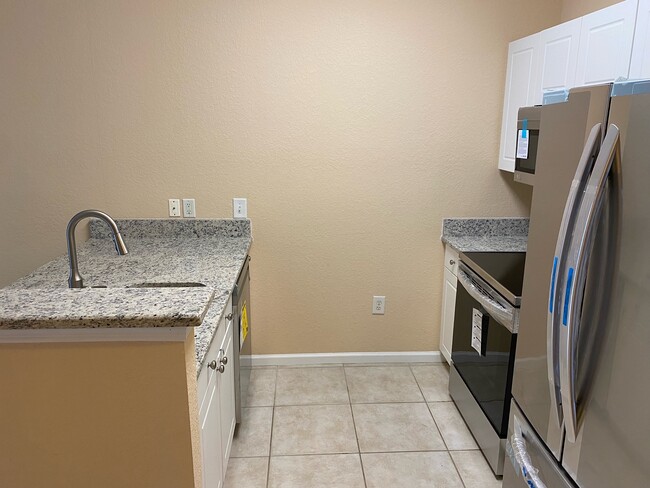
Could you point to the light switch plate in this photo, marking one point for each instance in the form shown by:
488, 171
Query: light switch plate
239, 208
189, 208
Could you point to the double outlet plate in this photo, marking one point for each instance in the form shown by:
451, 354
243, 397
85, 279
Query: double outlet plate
188, 207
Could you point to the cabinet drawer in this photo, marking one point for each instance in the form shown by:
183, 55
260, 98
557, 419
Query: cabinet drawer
451, 259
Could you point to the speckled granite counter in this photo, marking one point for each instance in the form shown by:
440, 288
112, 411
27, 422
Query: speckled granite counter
211, 252
486, 235
61, 308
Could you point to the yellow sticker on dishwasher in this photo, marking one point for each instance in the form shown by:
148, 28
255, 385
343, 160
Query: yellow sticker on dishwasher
244, 323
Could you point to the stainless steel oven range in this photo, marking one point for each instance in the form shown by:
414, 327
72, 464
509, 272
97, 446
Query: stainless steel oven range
483, 349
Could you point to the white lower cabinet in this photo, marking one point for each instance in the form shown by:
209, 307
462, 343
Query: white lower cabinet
216, 393
213, 468
449, 285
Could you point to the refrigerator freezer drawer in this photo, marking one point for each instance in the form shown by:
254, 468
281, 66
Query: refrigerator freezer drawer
549, 471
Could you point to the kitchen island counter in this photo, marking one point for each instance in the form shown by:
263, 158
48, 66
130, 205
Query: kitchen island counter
208, 252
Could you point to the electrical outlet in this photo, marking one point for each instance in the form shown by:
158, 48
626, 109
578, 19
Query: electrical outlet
189, 209
174, 207
378, 305
239, 208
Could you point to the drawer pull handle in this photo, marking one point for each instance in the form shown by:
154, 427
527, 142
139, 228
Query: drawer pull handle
223, 360
229, 316
452, 262
212, 364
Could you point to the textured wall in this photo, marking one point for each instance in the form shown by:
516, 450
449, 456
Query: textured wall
572, 9
353, 128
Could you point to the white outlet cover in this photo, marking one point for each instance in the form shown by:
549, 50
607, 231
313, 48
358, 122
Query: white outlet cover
189, 207
378, 305
239, 208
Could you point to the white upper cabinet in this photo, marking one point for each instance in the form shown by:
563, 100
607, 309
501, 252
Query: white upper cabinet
521, 79
640, 65
558, 58
606, 44
590, 50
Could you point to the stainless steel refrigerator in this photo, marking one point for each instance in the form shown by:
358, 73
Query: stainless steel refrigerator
580, 412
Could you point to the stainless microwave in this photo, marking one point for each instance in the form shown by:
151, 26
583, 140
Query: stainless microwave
528, 120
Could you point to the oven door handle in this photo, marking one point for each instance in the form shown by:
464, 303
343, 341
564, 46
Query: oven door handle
476, 287
571, 208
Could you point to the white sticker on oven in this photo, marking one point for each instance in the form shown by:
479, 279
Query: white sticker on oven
522, 144
477, 330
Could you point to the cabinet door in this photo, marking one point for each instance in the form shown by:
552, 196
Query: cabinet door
521, 80
640, 65
558, 58
606, 44
213, 472
447, 316
227, 394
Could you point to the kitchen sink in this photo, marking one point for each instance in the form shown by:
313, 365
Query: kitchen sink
189, 284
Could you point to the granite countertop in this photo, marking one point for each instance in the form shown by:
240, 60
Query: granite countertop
59, 308
486, 234
211, 252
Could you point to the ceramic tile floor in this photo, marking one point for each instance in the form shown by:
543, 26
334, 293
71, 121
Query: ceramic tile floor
354, 426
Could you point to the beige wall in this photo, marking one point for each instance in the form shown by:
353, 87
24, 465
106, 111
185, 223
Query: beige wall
353, 128
572, 9
99, 415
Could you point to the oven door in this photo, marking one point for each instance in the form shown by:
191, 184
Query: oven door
483, 347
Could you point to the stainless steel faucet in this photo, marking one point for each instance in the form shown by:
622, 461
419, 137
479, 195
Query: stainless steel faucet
75, 280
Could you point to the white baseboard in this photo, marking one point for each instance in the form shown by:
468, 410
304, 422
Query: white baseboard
346, 358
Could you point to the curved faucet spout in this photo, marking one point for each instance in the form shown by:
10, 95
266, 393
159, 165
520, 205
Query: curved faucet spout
75, 280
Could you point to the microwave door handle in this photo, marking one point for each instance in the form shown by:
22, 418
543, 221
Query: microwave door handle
585, 164
577, 263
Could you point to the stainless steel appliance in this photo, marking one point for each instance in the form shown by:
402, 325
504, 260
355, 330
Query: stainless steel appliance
241, 304
580, 390
528, 119
483, 347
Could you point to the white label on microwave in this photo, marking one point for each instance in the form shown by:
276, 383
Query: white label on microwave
522, 144
477, 330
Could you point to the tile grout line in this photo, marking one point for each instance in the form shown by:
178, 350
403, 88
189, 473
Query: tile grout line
329, 404
354, 424
352, 453
430, 412
268, 467
457, 470
438, 429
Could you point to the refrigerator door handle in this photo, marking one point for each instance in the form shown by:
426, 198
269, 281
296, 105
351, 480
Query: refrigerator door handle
589, 153
577, 264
